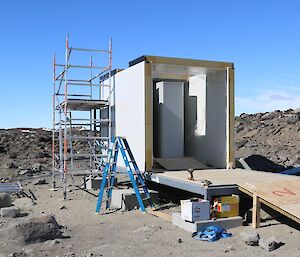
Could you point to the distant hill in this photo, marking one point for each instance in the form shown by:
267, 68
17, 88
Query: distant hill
275, 135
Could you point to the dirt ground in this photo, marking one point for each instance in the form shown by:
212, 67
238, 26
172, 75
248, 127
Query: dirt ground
128, 233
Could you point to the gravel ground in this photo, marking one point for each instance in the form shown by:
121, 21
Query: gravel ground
127, 233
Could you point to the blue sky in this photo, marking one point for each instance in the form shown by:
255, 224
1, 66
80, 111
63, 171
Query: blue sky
260, 37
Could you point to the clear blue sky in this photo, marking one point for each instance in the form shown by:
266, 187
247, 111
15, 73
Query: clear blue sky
261, 37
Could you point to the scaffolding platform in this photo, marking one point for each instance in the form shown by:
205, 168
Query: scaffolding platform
83, 104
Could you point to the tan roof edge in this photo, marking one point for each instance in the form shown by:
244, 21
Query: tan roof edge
188, 62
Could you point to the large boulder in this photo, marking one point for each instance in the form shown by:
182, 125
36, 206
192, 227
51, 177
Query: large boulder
37, 229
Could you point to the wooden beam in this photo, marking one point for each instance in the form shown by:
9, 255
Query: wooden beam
161, 214
272, 206
148, 117
256, 212
189, 62
230, 160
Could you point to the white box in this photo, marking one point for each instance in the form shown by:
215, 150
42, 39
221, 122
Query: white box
195, 210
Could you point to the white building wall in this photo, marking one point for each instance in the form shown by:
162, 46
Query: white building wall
206, 113
130, 110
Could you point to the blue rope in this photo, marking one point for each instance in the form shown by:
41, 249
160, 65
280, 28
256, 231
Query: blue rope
211, 234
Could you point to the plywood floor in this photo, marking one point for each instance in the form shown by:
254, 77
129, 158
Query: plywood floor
281, 191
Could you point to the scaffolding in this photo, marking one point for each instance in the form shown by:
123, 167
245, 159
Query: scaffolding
82, 111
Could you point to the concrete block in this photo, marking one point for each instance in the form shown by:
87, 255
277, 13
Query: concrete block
225, 223
11, 212
126, 199
94, 183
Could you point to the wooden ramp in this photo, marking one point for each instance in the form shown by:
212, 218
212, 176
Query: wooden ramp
280, 192
183, 163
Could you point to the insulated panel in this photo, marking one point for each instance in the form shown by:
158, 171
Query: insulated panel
205, 109
169, 125
130, 111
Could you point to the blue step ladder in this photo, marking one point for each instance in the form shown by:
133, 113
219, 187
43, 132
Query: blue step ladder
120, 144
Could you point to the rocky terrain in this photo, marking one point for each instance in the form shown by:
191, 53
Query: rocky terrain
27, 151
52, 227
24, 151
274, 135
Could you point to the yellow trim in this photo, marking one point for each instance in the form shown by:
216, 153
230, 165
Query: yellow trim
189, 62
148, 117
230, 161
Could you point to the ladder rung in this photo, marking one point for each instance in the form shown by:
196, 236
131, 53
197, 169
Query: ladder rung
146, 198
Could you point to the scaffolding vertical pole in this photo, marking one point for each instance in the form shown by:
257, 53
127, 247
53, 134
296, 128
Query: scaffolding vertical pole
61, 148
91, 111
109, 94
71, 142
66, 119
53, 120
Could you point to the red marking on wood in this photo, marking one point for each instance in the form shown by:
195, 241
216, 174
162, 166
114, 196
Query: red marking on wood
284, 192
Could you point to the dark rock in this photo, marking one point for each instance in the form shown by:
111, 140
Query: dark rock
40, 182
42, 160
37, 229
40, 155
37, 167
269, 244
5, 200
2, 149
10, 165
242, 142
12, 155
258, 162
239, 129
45, 139
268, 116
45, 219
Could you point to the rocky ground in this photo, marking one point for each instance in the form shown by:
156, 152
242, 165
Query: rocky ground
75, 231
274, 135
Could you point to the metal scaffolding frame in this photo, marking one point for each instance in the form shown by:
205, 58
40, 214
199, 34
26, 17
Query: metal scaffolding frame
82, 111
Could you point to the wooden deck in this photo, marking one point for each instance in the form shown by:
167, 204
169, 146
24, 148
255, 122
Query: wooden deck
280, 192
